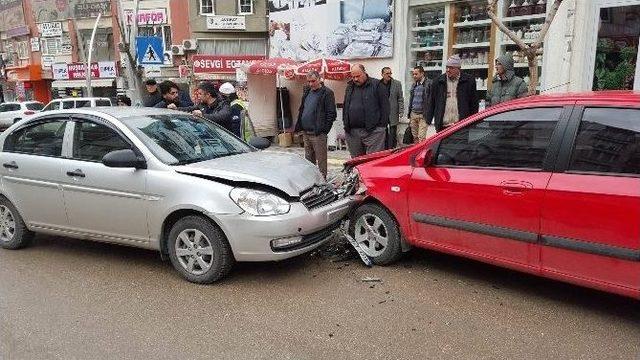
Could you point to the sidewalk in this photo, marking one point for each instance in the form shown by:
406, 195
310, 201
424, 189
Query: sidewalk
335, 158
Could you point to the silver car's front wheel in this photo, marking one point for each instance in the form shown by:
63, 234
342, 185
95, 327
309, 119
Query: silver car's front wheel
194, 252
13, 232
198, 250
377, 233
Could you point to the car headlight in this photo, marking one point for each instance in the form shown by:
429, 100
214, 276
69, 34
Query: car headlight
259, 203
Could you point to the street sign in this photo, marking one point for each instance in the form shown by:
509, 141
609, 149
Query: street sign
150, 50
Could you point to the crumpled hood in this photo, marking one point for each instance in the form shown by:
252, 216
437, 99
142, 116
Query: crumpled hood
284, 171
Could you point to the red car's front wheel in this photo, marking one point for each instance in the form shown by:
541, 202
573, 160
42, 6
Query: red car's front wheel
377, 233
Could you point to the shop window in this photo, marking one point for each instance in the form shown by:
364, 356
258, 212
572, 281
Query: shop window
617, 48
238, 47
245, 7
207, 7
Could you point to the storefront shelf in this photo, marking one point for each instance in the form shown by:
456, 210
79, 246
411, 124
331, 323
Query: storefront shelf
471, 45
525, 65
433, 68
524, 18
428, 28
477, 23
427, 48
526, 41
475, 66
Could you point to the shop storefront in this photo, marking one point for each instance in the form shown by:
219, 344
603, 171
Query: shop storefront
25, 83
70, 79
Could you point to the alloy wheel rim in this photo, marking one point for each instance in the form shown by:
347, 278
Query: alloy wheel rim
194, 251
7, 224
371, 234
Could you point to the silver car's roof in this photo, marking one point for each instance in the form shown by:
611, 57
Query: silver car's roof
119, 112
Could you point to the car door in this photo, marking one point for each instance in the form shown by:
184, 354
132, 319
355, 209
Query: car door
31, 159
106, 203
482, 195
590, 222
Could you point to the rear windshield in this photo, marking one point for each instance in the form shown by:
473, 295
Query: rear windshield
35, 106
103, 102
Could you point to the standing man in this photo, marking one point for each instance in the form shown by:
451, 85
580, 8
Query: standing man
396, 105
169, 95
365, 113
315, 118
506, 85
418, 102
453, 96
152, 97
211, 106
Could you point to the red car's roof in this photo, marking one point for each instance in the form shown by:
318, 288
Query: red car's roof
594, 97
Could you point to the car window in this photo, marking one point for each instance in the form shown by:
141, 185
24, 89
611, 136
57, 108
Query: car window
34, 106
55, 105
92, 141
103, 102
83, 103
67, 104
184, 139
39, 139
11, 107
608, 141
513, 139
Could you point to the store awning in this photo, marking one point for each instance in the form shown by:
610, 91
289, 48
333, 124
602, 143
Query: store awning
61, 84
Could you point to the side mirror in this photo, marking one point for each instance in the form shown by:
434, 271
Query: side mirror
124, 159
259, 142
424, 158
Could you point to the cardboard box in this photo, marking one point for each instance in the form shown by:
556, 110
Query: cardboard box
285, 139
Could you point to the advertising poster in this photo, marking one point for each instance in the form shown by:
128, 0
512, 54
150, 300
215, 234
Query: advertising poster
342, 29
12, 18
50, 10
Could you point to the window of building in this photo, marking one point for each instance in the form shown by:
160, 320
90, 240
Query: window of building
608, 141
207, 7
245, 7
236, 47
514, 139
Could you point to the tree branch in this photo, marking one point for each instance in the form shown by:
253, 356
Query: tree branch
547, 23
491, 11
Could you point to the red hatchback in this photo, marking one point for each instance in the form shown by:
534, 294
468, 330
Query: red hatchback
549, 185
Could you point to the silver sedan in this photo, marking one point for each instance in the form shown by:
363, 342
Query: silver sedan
161, 180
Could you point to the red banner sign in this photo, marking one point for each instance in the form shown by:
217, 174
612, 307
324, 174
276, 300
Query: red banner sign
221, 64
78, 71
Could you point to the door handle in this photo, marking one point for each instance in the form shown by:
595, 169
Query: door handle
75, 173
10, 165
515, 187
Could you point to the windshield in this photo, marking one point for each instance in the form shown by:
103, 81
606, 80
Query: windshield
184, 139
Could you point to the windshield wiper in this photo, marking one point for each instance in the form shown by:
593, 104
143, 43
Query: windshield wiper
189, 161
230, 154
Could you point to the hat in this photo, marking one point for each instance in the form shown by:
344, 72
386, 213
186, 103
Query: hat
151, 82
454, 61
227, 89
208, 87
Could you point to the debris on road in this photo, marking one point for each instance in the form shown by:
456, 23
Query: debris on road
371, 279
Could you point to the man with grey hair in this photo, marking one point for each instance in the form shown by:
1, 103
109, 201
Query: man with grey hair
365, 113
316, 115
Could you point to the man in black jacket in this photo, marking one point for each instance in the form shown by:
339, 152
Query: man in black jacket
315, 118
365, 113
453, 96
212, 106
152, 97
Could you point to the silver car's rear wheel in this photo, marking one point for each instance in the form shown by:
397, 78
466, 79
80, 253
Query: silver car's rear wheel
377, 233
194, 251
7, 224
199, 250
13, 232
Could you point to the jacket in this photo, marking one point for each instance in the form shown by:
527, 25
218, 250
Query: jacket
219, 112
376, 106
511, 87
467, 99
396, 102
151, 99
325, 112
425, 95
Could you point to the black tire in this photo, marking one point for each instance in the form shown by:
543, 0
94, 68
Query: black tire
221, 260
20, 236
393, 250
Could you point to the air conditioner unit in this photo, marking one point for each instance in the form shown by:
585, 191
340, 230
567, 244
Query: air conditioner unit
177, 49
190, 44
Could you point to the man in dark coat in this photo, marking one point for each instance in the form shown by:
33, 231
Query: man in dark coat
315, 118
212, 106
153, 96
453, 96
365, 114
393, 88
506, 85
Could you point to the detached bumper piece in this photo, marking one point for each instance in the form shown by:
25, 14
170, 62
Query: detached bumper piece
299, 242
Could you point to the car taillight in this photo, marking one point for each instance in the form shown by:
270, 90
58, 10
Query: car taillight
29, 112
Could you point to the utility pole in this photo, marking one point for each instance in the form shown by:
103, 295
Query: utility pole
89, 56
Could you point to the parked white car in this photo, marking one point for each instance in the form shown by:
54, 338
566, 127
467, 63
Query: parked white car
162, 180
12, 112
72, 103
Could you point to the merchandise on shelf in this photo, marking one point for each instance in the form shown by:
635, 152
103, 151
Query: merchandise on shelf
526, 7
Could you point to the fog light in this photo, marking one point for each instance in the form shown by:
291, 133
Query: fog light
285, 243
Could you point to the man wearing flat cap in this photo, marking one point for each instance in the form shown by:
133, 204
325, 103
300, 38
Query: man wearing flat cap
453, 96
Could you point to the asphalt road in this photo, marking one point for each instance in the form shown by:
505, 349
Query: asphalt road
69, 299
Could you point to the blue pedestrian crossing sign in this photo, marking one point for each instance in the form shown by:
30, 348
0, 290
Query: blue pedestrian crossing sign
150, 50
